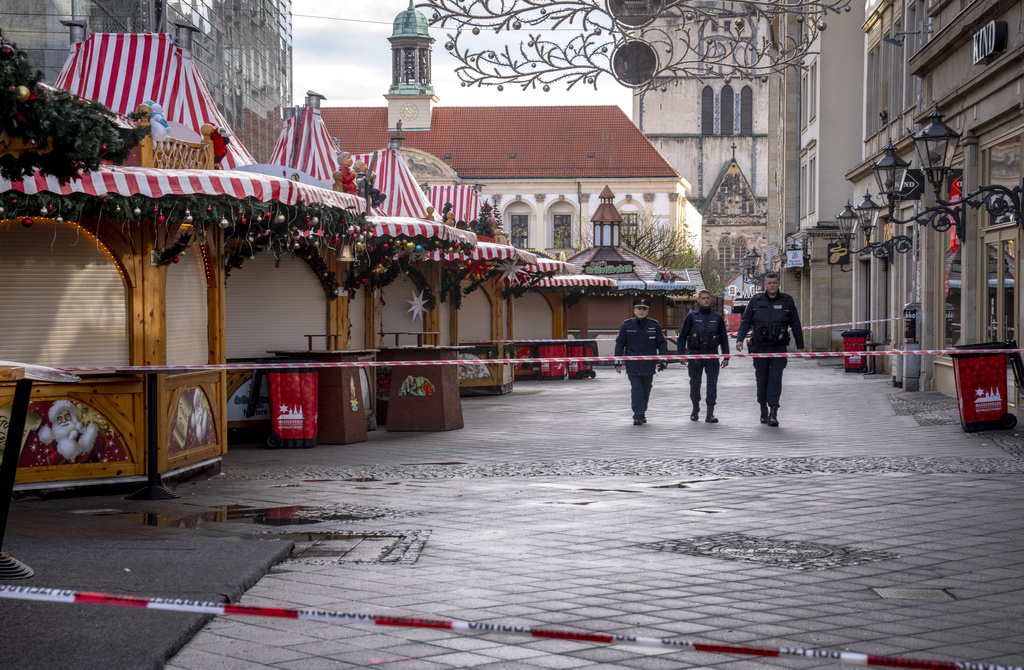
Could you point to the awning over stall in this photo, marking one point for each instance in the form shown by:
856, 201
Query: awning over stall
569, 281
489, 251
394, 178
155, 183
657, 286
548, 265
398, 225
306, 145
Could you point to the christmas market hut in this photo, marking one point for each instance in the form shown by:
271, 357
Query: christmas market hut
599, 312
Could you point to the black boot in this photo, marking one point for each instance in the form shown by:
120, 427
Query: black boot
710, 418
695, 414
773, 418
764, 412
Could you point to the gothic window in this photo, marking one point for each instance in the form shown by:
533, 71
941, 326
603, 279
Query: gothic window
725, 258
739, 250
727, 110
521, 231
562, 231
746, 111
707, 111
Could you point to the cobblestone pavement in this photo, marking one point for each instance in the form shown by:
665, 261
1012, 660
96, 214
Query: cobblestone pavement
859, 524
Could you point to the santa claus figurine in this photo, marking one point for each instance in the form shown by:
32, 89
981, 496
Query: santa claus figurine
74, 438
221, 139
348, 175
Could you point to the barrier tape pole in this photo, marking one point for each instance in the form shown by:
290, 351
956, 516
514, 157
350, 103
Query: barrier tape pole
668, 358
181, 605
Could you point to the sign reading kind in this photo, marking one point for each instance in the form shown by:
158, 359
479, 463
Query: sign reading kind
989, 42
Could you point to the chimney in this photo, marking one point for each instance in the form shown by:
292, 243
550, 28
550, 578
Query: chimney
290, 112
313, 101
77, 30
183, 35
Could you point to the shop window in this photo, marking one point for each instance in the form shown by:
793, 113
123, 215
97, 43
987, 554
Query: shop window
562, 231
1003, 167
520, 230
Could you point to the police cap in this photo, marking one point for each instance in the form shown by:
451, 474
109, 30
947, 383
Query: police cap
642, 302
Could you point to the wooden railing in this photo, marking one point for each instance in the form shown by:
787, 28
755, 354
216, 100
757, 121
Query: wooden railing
173, 153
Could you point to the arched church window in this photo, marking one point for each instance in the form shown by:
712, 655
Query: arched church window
725, 259
746, 111
707, 111
727, 114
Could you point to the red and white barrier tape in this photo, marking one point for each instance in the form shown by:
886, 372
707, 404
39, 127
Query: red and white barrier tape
671, 337
180, 605
668, 358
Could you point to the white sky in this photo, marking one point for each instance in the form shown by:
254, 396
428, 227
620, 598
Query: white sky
341, 51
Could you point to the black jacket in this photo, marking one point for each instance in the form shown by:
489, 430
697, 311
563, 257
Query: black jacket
706, 329
640, 337
772, 317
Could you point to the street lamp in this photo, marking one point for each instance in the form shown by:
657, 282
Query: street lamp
935, 146
867, 218
847, 222
749, 264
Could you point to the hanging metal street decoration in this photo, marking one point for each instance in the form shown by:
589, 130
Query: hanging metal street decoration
640, 43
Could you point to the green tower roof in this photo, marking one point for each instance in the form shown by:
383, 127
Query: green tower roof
411, 23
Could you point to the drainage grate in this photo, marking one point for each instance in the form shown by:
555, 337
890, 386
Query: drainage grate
782, 553
370, 546
935, 595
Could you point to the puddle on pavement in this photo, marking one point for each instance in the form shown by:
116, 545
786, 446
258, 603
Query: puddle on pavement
293, 515
608, 490
558, 502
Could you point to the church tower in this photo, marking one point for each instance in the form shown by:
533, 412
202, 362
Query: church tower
411, 96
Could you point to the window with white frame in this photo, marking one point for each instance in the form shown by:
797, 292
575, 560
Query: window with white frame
520, 224
561, 229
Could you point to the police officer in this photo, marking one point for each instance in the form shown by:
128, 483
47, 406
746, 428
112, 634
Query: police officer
640, 336
769, 318
703, 332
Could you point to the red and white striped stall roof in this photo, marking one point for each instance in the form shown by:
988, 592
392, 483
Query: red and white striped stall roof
393, 177
124, 70
489, 251
566, 281
154, 183
464, 199
397, 225
548, 265
306, 145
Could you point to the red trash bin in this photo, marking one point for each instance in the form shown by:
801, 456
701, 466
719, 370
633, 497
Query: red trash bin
856, 340
981, 385
552, 349
582, 349
293, 408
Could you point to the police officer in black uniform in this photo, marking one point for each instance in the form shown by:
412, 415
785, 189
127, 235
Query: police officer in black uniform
703, 332
769, 318
640, 336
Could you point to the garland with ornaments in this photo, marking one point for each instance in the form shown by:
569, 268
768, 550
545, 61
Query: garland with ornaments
53, 131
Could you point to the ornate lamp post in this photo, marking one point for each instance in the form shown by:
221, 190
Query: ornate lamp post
936, 145
749, 265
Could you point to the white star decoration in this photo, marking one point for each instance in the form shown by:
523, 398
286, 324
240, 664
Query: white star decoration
417, 306
510, 271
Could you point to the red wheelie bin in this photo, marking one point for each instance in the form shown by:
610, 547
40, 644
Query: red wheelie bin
981, 387
582, 349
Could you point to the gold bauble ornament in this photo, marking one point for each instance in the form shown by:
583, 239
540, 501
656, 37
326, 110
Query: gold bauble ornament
23, 93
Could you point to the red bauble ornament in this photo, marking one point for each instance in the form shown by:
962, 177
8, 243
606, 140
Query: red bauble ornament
175, 259
6, 52
27, 223
161, 218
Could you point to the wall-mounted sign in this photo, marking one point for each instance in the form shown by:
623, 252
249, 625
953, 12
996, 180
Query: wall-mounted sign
838, 254
913, 185
794, 258
989, 42
608, 269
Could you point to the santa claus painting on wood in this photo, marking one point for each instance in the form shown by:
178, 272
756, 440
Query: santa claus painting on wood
75, 433
74, 437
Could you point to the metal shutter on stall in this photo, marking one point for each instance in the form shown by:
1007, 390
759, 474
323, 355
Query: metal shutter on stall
396, 317
273, 308
63, 299
187, 309
532, 318
357, 320
475, 317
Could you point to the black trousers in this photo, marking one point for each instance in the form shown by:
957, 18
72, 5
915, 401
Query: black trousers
768, 373
710, 367
640, 393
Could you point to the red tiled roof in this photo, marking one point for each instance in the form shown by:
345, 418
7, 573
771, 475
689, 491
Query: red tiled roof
547, 141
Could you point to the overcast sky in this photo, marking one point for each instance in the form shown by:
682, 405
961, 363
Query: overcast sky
342, 51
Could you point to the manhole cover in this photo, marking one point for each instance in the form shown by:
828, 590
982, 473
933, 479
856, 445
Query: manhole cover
783, 553
370, 546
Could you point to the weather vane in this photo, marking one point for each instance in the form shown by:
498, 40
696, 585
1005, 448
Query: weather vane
640, 43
